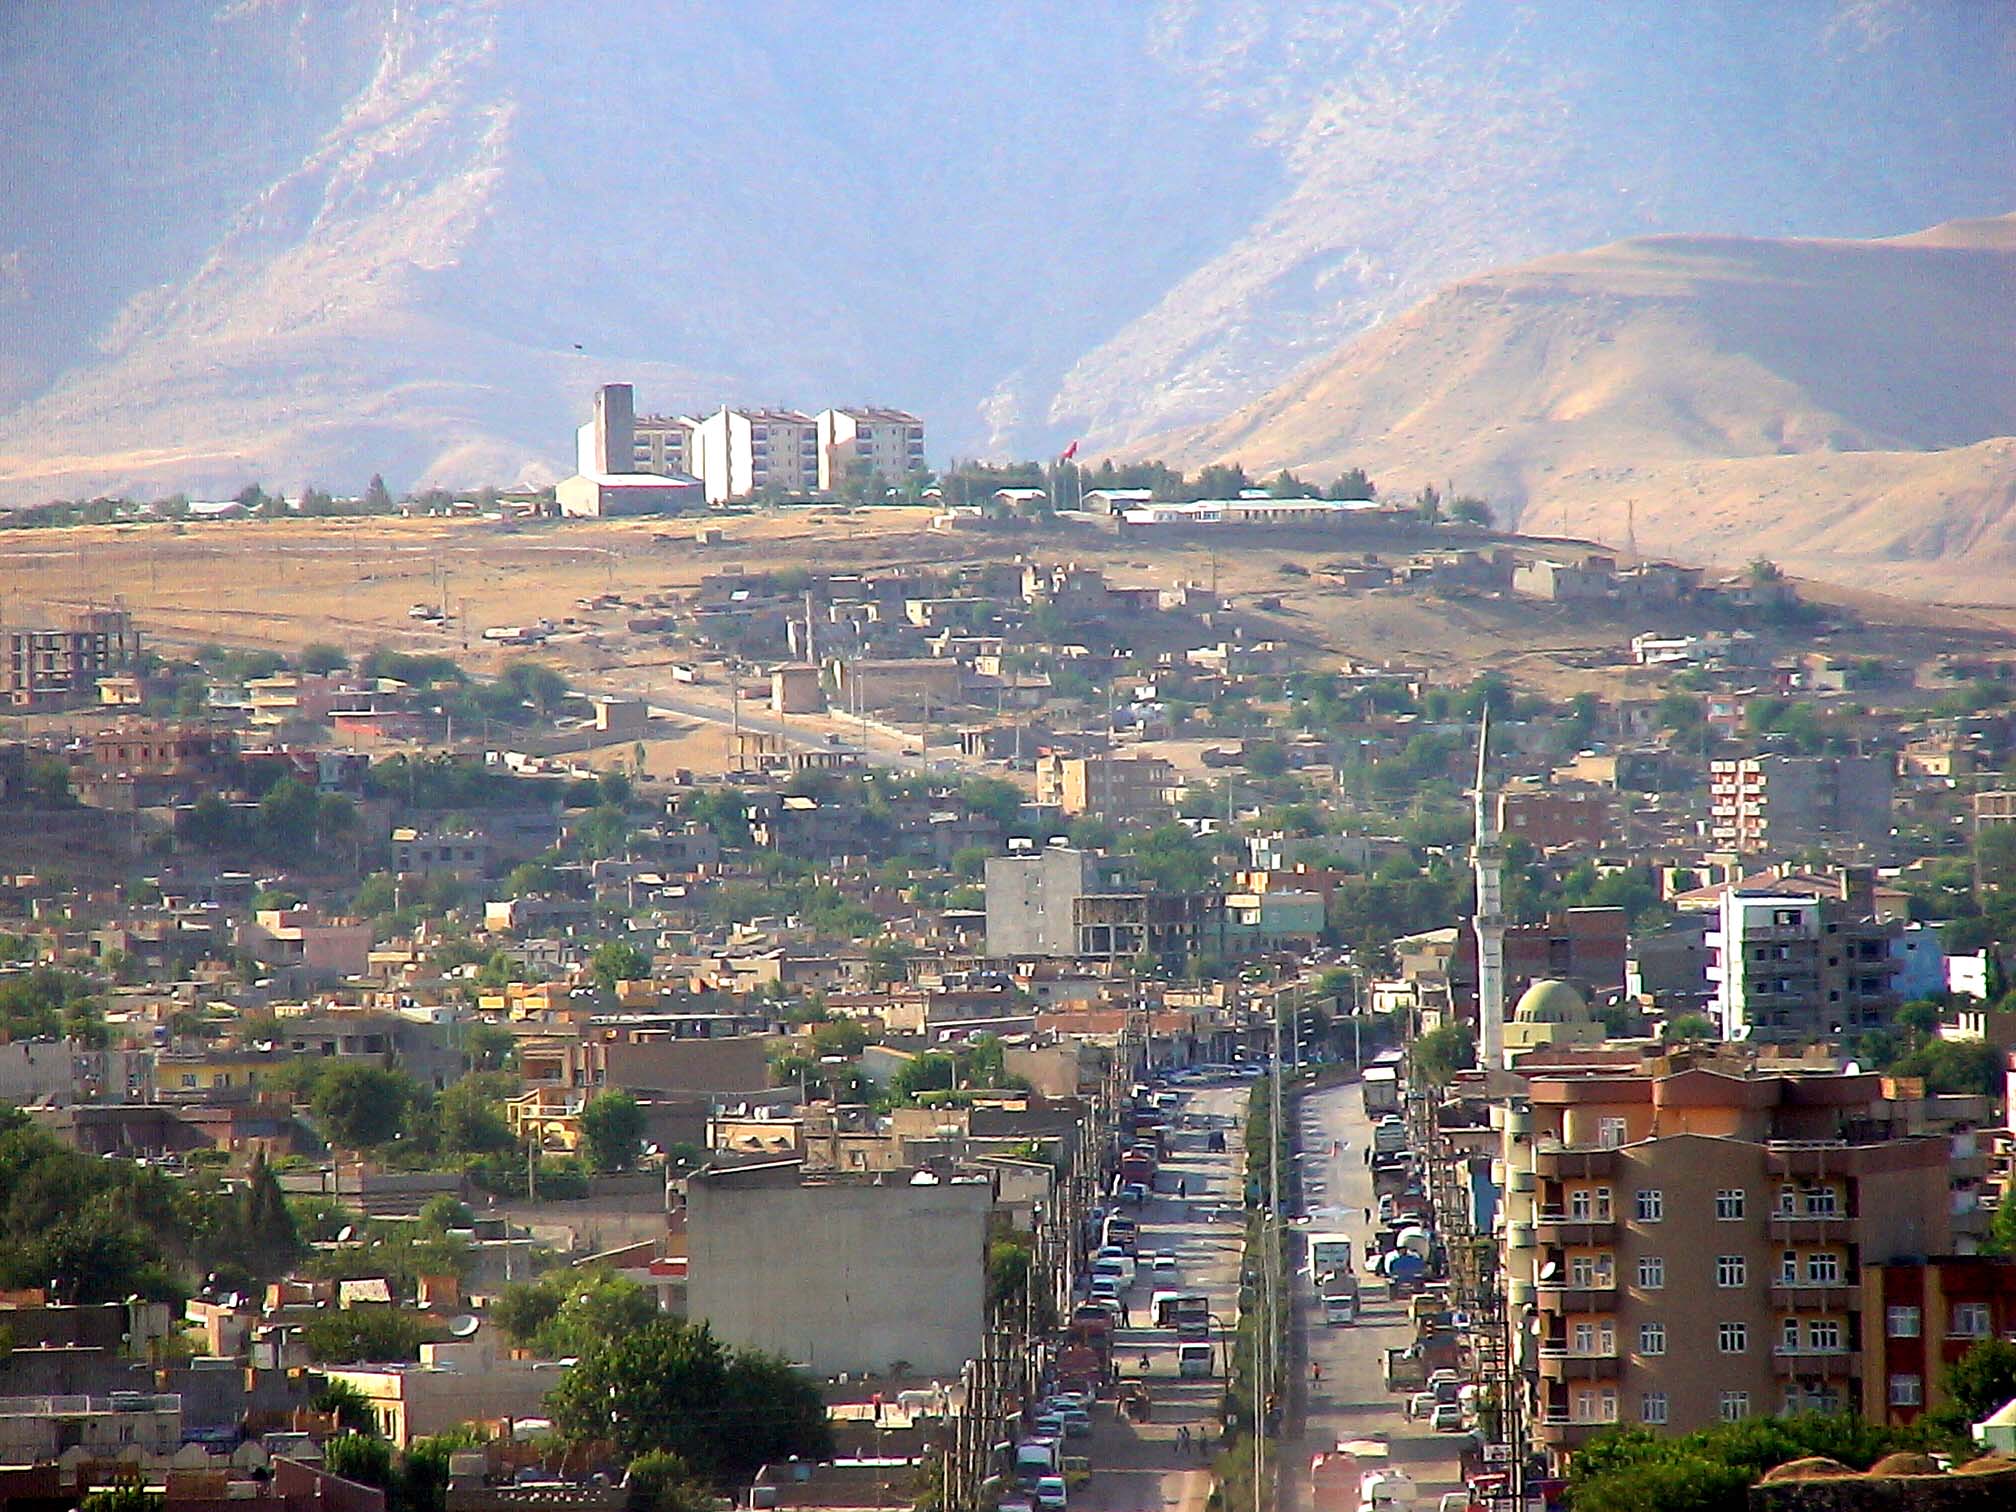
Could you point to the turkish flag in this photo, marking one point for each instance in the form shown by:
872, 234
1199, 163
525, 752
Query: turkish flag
1069, 452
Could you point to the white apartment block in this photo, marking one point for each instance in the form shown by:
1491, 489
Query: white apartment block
738, 452
664, 445
890, 441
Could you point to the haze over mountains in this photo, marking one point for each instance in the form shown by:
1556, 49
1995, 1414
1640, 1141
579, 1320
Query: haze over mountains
289, 241
1846, 407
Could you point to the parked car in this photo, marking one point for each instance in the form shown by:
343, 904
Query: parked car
1134, 1193
1077, 1422
1048, 1425
1421, 1404
1448, 1418
1165, 1264
1050, 1495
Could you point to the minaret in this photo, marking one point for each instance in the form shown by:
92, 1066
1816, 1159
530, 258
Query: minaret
1488, 861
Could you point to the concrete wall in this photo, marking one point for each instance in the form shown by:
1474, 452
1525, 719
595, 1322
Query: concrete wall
1896, 1493
842, 1276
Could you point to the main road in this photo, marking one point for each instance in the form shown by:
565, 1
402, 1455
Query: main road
1349, 1401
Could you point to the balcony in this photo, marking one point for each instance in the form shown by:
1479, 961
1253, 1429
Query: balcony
1559, 1363
1828, 1364
1556, 1163
1599, 1295
1808, 1157
1597, 1227
1811, 1228
1560, 1431
1816, 1296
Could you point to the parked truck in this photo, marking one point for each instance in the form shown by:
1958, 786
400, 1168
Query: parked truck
1340, 1299
1389, 1136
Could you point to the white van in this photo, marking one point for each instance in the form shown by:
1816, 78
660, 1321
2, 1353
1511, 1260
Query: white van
1193, 1361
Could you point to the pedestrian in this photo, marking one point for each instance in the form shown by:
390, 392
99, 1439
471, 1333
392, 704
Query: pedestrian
1144, 1364
1183, 1439
1316, 1372
1182, 1186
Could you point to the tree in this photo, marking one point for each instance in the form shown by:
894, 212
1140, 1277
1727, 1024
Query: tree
1441, 1053
841, 1037
619, 961
669, 1387
266, 1240
998, 800
361, 1106
663, 1482
321, 657
350, 1407
358, 1335
612, 1131
1688, 1026
888, 961
377, 497
288, 816
1467, 509
1428, 504
445, 1211
132, 1498
360, 1457
1351, 485
1995, 856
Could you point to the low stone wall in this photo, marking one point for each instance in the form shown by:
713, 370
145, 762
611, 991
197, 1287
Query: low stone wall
1993, 1492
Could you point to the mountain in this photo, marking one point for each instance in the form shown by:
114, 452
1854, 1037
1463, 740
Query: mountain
299, 240
1847, 407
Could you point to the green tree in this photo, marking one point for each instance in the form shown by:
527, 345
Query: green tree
1441, 1053
321, 657
350, 1407
1982, 1380
663, 1482
840, 1037
377, 497
266, 1240
998, 800
361, 1106
1467, 509
888, 961
123, 1499
619, 961
1688, 1026
288, 816
359, 1335
360, 1457
668, 1386
612, 1131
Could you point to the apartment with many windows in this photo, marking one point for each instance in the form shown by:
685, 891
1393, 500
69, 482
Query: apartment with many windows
1787, 965
739, 452
1781, 803
884, 444
1688, 1238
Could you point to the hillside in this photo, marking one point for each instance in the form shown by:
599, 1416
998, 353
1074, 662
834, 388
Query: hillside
1846, 407
290, 241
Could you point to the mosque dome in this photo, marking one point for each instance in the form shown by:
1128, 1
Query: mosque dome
1551, 1002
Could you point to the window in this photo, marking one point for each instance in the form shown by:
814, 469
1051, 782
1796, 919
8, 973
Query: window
1604, 1211
1788, 1336
1651, 1272
1579, 1204
1610, 1132
1730, 1270
1820, 1202
1788, 1200
1823, 1268
1652, 1407
1823, 1336
1651, 1338
1903, 1323
1582, 1271
1583, 1339
1788, 1268
1907, 1391
1729, 1204
1735, 1406
1651, 1206
1970, 1321
1734, 1338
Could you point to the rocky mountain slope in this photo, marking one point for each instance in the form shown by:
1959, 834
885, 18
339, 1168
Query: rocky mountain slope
1845, 406
289, 241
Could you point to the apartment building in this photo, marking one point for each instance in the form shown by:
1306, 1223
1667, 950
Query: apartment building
1065, 902
899, 1272
1787, 966
42, 665
739, 452
1923, 1315
1113, 788
663, 444
887, 443
1548, 819
1691, 1237
608, 480
1786, 803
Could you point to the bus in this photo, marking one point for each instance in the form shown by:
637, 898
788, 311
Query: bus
1329, 1255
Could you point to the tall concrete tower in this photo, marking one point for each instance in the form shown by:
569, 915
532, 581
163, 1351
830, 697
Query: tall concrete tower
1487, 859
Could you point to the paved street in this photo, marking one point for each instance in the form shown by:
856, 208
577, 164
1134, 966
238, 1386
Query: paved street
1350, 1402
1137, 1466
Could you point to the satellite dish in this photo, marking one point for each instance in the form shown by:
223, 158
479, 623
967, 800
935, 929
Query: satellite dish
465, 1326
346, 1233
1547, 1271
